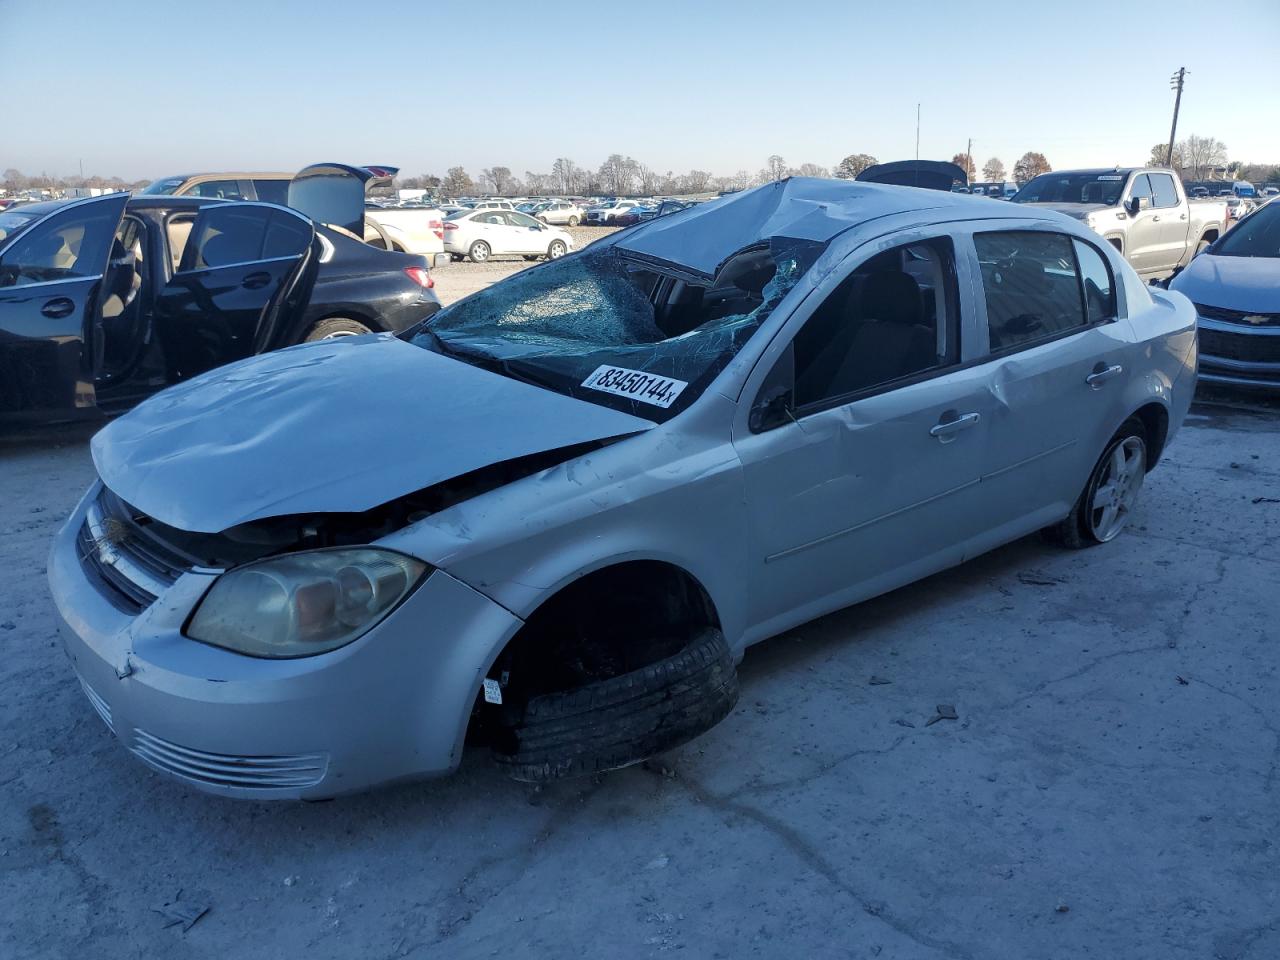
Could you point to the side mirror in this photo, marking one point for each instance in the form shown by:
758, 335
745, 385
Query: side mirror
772, 409
773, 406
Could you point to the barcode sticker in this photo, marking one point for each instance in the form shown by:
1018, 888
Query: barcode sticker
492, 691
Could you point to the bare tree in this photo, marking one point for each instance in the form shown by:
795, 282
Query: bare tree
965, 162
499, 178
1202, 155
565, 174
810, 170
775, 168
457, 182
617, 174
539, 184
854, 164
993, 170
649, 179
1029, 166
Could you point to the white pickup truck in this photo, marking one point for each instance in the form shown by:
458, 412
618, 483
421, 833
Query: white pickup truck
1143, 211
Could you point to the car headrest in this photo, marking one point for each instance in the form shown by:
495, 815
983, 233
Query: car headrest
892, 296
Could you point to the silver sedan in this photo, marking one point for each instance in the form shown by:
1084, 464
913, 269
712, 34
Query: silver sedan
554, 517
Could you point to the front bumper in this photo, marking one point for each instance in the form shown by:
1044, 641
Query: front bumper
393, 705
1239, 355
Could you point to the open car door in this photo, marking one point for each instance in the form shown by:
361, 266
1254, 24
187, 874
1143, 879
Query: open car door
51, 272
334, 193
242, 267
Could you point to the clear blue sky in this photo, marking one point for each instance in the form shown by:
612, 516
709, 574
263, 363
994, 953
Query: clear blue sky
146, 88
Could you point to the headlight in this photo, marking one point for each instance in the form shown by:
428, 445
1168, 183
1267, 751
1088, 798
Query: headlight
304, 603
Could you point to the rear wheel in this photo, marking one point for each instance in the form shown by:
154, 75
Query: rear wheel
1108, 499
556, 250
335, 327
573, 221
479, 252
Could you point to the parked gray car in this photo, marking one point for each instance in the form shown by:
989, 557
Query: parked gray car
600, 481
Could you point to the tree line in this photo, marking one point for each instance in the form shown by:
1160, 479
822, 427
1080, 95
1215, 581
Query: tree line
621, 175
1195, 158
1205, 158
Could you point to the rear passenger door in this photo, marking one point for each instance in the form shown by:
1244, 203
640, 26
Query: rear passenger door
1171, 214
1057, 358
236, 272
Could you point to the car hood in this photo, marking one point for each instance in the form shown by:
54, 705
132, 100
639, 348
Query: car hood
1249, 284
340, 425
1077, 211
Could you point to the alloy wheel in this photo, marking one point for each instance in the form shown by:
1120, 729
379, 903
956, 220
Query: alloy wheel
1115, 492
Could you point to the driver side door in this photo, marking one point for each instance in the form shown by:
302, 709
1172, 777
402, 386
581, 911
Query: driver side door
235, 275
50, 287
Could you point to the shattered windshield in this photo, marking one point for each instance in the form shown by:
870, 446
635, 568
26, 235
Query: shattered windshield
638, 335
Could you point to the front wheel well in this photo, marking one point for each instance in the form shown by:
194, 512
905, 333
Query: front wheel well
1155, 424
611, 621
1117, 242
1209, 236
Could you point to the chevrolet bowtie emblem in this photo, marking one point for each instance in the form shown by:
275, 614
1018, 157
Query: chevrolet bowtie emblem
1256, 319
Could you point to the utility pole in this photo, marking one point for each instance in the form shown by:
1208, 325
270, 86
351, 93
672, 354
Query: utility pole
1175, 83
968, 159
916, 174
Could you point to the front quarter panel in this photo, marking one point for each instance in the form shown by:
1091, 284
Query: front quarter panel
671, 494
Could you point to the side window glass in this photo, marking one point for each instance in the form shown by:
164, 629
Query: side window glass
894, 317
1095, 276
1032, 290
1162, 187
218, 189
70, 246
272, 191
288, 235
226, 235
1141, 188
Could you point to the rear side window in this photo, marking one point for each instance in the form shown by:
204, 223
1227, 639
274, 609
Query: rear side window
1096, 283
1165, 193
229, 235
1032, 287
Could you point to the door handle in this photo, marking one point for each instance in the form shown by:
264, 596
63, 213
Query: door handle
256, 280
945, 430
1182, 216
1156, 218
1102, 374
58, 308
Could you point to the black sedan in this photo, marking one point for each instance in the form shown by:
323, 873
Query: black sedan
104, 301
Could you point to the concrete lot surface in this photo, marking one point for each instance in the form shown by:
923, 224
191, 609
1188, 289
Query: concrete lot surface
1108, 789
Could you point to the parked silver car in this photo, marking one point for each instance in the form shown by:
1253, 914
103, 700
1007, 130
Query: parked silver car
559, 213
600, 481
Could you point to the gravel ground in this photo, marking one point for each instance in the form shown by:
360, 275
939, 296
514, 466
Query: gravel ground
1108, 790
464, 278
